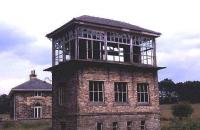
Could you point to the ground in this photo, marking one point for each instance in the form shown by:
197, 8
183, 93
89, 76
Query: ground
167, 117
26, 125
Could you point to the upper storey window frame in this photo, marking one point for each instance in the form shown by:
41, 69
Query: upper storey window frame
91, 34
38, 93
128, 48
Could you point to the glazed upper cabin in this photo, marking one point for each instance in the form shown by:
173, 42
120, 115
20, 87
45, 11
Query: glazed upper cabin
97, 39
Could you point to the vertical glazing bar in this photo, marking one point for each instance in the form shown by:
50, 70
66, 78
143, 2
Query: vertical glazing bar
53, 52
63, 49
92, 48
76, 44
105, 41
100, 54
131, 49
154, 52
87, 49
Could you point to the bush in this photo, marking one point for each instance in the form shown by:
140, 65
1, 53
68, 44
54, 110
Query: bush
182, 110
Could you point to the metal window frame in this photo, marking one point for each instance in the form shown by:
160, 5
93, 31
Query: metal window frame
121, 84
98, 88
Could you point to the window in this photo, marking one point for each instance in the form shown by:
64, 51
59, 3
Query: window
142, 125
121, 93
142, 93
96, 91
129, 125
60, 95
99, 126
115, 126
37, 110
37, 93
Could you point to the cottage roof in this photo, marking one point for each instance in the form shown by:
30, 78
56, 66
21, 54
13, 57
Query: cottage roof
105, 22
33, 85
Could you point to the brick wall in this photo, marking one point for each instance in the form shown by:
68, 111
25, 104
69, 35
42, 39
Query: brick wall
83, 114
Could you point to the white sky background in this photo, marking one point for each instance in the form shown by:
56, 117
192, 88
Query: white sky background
178, 48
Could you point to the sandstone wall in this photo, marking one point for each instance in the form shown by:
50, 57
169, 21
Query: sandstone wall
25, 101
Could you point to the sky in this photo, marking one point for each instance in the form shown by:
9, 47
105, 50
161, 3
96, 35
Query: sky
24, 24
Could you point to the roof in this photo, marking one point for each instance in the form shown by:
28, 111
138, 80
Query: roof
33, 85
72, 64
104, 22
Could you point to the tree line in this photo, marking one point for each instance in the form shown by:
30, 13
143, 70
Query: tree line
171, 92
4, 104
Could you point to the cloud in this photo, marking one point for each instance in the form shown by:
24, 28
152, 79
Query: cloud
11, 37
19, 54
180, 53
23, 46
15, 71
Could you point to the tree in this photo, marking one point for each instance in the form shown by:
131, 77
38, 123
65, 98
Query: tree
182, 110
168, 88
4, 104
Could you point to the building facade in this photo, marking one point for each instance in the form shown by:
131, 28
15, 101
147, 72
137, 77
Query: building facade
104, 76
31, 100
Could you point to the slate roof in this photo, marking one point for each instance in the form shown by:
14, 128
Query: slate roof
33, 84
105, 22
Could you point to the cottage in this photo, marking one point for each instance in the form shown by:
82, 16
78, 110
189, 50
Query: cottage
104, 76
31, 100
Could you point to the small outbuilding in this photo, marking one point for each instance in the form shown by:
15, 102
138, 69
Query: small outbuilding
31, 100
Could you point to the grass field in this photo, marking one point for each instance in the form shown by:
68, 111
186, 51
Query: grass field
167, 118
26, 125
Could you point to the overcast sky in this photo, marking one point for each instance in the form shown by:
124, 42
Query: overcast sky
24, 24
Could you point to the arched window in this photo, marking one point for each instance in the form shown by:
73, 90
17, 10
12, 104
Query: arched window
37, 110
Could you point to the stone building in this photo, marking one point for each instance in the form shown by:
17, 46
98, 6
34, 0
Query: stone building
31, 100
104, 76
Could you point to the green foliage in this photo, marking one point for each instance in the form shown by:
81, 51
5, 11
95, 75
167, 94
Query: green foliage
26, 125
8, 125
182, 110
182, 91
183, 125
4, 104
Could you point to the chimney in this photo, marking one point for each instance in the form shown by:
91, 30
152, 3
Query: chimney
33, 75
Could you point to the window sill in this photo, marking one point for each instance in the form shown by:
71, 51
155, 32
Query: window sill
121, 104
96, 104
143, 104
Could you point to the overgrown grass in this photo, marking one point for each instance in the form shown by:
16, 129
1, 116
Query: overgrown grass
183, 125
168, 122
27, 125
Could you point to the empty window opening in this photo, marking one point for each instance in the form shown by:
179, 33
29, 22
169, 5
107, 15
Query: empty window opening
67, 51
115, 126
142, 125
58, 46
129, 125
96, 91
82, 49
143, 50
60, 96
72, 49
99, 126
121, 92
142, 92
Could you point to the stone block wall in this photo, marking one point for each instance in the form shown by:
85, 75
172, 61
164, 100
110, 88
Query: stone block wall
25, 101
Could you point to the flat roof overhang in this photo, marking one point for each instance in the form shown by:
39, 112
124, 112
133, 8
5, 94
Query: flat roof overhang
80, 63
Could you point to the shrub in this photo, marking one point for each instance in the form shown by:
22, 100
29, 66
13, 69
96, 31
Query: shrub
182, 110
